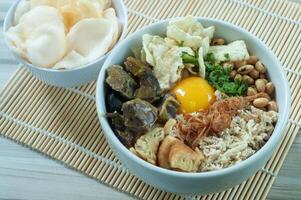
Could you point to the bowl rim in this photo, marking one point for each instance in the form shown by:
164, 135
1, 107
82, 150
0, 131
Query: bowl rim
123, 20
269, 146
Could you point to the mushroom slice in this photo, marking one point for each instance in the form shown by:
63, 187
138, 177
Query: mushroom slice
149, 89
120, 81
169, 108
139, 115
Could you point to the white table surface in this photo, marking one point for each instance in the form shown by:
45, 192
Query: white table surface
25, 174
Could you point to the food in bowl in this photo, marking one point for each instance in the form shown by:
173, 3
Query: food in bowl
62, 34
191, 102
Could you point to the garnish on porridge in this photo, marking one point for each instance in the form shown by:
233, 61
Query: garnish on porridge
191, 102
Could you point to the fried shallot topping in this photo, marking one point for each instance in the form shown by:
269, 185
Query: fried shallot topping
193, 128
218, 117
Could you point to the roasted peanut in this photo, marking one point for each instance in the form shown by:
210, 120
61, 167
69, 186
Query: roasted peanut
272, 106
251, 91
218, 41
240, 63
260, 85
233, 74
265, 95
238, 77
260, 102
245, 69
265, 80
252, 60
254, 74
248, 79
262, 76
260, 67
270, 88
264, 109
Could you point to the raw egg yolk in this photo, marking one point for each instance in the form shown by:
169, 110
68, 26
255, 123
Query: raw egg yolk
194, 94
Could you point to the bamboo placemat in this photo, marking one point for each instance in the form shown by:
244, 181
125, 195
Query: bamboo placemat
62, 123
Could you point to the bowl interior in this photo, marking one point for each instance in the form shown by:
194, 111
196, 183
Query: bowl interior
230, 33
121, 13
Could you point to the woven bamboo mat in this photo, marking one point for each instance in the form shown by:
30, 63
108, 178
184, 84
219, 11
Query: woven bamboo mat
62, 123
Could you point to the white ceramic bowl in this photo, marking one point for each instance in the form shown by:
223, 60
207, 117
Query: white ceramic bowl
202, 182
71, 77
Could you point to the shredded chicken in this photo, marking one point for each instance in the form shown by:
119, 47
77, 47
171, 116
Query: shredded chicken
248, 132
195, 126
221, 112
